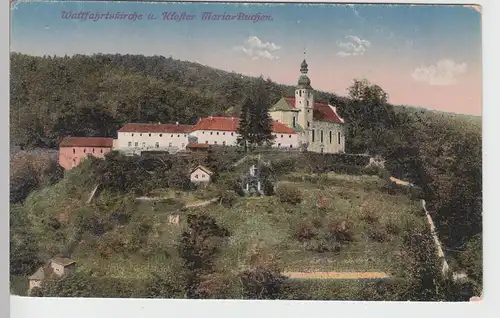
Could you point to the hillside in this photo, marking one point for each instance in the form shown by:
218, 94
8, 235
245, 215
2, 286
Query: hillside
340, 223
89, 96
52, 97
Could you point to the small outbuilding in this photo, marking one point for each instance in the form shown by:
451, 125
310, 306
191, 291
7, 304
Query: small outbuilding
201, 174
57, 267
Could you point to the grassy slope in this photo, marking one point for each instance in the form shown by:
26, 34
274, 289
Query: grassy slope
253, 222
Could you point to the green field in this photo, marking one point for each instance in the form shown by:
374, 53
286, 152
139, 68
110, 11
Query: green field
262, 223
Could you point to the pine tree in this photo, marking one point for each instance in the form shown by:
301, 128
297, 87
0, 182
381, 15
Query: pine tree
255, 127
244, 128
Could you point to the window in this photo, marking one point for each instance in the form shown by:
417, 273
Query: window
203, 132
321, 136
101, 150
84, 150
330, 136
224, 143
130, 144
140, 134
281, 136
171, 135
307, 103
279, 145
178, 135
300, 93
224, 133
136, 144
196, 176
149, 135
203, 175
215, 142
293, 122
321, 150
74, 150
183, 145
132, 135
217, 133
170, 144
232, 134
206, 142
308, 124
93, 150
338, 137
211, 133
157, 145
161, 135
290, 146
312, 136
143, 145
289, 136
308, 111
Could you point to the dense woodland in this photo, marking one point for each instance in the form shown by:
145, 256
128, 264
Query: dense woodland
52, 97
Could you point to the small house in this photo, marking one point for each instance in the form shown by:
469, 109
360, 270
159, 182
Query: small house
72, 150
201, 174
57, 267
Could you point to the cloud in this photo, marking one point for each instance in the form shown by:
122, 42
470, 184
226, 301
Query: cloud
444, 72
256, 49
353, 46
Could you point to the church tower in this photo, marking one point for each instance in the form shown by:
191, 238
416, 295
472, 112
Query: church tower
304, 99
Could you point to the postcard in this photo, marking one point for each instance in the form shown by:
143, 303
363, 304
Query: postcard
224, 150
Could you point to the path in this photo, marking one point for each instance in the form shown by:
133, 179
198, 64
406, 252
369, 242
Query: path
336, 275
202, 203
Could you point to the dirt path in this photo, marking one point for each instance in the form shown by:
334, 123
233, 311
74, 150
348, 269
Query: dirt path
202, 203
336, 275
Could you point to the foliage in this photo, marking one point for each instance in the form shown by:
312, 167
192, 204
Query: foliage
197, 248
30, 171
262, 282
255, 127
228, 198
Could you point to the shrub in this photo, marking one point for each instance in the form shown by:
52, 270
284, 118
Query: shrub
341, 231
304, 232
289, 194
228, 198
377, 234
392, 228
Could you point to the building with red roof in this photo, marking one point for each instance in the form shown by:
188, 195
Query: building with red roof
317, 123
73, 149
137, 137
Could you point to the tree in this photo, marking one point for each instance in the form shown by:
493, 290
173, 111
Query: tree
197, 248
245, 127
255, 122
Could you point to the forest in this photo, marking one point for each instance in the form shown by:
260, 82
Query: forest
53, 97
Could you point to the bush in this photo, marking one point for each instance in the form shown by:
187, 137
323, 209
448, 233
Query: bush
289, 194
228, 198
377, 234
341, 231
304, 232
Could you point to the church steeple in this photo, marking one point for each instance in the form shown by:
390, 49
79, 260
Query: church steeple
304, 81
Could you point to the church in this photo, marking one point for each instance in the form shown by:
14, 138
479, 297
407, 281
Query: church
318, 126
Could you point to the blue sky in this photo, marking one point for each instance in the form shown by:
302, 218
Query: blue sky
435, 49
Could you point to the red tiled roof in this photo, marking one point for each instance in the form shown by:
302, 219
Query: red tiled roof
218, 123
87, 142
281, 128
232, 123
156, 128
321, 111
